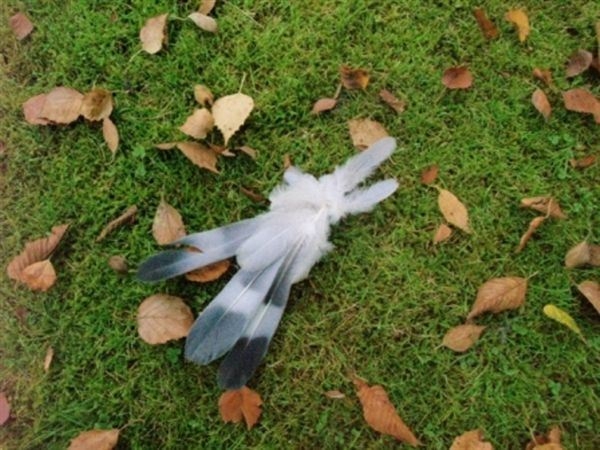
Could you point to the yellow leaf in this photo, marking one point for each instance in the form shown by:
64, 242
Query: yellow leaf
555, 313
519, 18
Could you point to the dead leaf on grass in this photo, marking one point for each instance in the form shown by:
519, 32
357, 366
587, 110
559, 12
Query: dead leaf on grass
335, 395
110, 134
240, 404
471, 440
252, 153
127, 217
162, 318
392, 101
153, 34
62, 105
323, 104
209, 273
206, 6
21, 25
167, 226
549, 442
48, 359
252, 195
519, 18
457, 78
199, 124
95, 440
203, 95
202, 156
543, 75
430, 174
462, 337
352, 78
578, 63
541, 103
562, 317
583, 163
533, 225
118, 263
365, 132
582, 101
442, 233
582, 254
4, 409
230, 113
544, 204
499, 294
97, 104
487, 27
32, 110
204, 22
591, 291
39, 276
453, 210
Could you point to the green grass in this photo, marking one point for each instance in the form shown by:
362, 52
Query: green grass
381, 302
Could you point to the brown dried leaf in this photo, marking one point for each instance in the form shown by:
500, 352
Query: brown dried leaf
583, 163
166, 146
580, 100
499, 294
153, 34
543, 75
487, 27
48, 359
21, 25
230, 113
591, 291
162, 318
206, 6
204, 22
127, 217
199, 124
430, 174
579, 255
97, 104
248, 151
390, 99
4, 409
209, 273
39, 276
462, 337
549, 442
544, 204
365, 132
200, 155
62, 105
471, 440
579, 62
287, 161
323, 104
203, 95
354, 78
442, 233
32, 110
254, 196
238, 404
110, 134
335, 395
380, 414
35, 251
457, 78
453, 210
167, 225
541, 103
533, 225
95, 440
118, 263
519, 18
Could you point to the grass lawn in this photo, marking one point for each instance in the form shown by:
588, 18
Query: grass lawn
378, 305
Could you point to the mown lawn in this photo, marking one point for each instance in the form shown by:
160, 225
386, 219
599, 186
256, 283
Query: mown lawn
380, 304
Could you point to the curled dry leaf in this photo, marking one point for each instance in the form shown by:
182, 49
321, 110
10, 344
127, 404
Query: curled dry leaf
21, 25
583, 163
35, 251
39, 276
365, 132
471, 440
541, 103
457, 78
582, 254
204, 22
127, 217
544, 204
48, 359
549, 442
200, 155
199, 124
254, 196
519, 18
429, 175
453, 210
442, 233
206, 6
230, 113
238, 404
582, 101
167, 225
323, 104
118, 263
209, 273
390, 99
62, 105
499, 294
162, 318
579, 62
543, 75
203, 95
591, 291
533, 225
335, 395
152, 34
487, 27
97, 104
95, 440
380, 414
462, 337
110, 134
4, 409
252, 153
562, 317
32, 110
354, 78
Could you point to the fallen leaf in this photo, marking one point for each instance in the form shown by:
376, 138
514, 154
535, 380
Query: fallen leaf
32, 110
21, 25
39, 276
543, 75
152, 34
365, 132
335, 395
97, 104
519, 18
230, 113
118, 263
430, 174
533, 225
199, 124
204, 22
549, 442
583, 163
390, 99
254, 196
167, 226
95, 440
562, 317
162, 318
442, 233
127, 217
203, 95
4, 409
541, 103
580, 100
48, 359
591, 291
62, 105
462, 337
544, 204
238, 404
166, 146
200, 155
471, 440
380, 414
248, 151
579, 62
354, 78
35, 251
457, 78
110, 134
209, 273
287, 161
453, 210
499, 294
582, 254
487, 27
206, 6
323, 104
